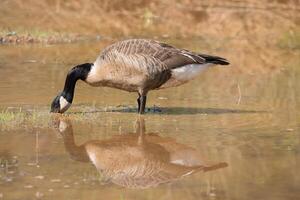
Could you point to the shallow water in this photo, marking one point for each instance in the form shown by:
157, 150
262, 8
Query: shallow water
242, 126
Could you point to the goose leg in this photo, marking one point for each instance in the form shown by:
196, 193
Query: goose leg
142, 104
139, 103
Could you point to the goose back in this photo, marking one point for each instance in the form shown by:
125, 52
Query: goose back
140, 64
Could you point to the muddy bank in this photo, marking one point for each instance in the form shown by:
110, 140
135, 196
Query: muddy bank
262, 20
27, 38
251, 34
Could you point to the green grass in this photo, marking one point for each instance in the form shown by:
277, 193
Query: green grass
6, 116
10, 120
18, 118
290, 40
36, 35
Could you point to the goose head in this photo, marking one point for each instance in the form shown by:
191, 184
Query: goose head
60, 103
63, 100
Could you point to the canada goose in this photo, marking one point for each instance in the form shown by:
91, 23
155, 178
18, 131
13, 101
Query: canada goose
137, 160
136, 65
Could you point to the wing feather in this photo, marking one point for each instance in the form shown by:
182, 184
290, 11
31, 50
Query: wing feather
152, 56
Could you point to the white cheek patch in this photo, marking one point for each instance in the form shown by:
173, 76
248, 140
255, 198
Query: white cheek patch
64, 104
188, 72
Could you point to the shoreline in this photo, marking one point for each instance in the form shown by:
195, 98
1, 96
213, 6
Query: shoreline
56, 38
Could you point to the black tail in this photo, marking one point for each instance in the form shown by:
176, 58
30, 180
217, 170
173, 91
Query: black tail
214, 59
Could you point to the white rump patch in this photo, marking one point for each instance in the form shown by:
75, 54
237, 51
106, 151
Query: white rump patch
64, 104
188, 72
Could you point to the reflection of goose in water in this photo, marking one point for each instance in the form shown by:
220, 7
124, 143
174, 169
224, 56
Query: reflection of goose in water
137, 160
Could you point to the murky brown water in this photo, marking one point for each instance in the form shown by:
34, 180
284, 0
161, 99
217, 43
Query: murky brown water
210, 142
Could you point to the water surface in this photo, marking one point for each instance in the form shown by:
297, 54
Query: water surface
243, 125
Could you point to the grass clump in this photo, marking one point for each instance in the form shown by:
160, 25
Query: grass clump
36, 35
290, 40
9, 119
7, 116
14, 119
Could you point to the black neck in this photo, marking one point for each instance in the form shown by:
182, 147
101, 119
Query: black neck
78, 72
77, 153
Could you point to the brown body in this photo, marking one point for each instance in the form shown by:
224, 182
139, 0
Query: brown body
140, 65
